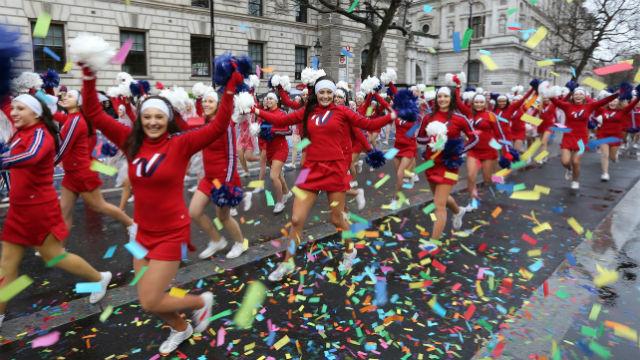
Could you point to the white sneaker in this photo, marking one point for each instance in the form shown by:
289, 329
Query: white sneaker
635, 146
5, 199
457, 218
278, 208
286, 197
575, 185
130, 200
104, 282
360, 199
1, 319
213, 247
236, 250
415, 178
193, 188
347, 259
394, 204
174, 340
568, 174
284, 268
258, 190
247, 201
132, 230
245, 174
353, 184
233, 212
37, 253
201, 316
605, 177
359, 165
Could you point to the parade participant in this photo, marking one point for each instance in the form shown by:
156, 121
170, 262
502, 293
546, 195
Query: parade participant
442, 131
34, 218
277, 151
546, 111
518, 127
158, 156
245, 145
120, 162
505, 109
219, 159
614, 120
577, 112
75, 153
323, 123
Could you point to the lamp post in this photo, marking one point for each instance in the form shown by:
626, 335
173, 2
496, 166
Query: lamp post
317, 49
469, 47
212, 41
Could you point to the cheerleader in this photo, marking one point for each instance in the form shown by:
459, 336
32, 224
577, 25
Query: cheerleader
219, 160
577, 113
245, 146
34, 218
506, 110
158, 156
442, 131
614, 119
323, 123
122, 179
518, 127
75, 153
277, 151
546, 111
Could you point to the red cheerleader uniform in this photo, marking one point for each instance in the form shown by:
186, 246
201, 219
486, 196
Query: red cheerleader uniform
220, 161
486, 126
325, 157
285, 99
577, 117
34, 209
614, 122
406, 145
456, 126
548, 117
75, 153
508, 114
278, 147
157, 174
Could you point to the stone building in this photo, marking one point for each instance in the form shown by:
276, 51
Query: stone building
171, 38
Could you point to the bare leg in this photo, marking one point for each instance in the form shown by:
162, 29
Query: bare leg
575, 163
243, 161
488, 167
337, 218
263, 164
604, 158
565, 158
473, 166
198, 203
401, 165
67, 201
230, 224
613, 154
12, 255
96, 201
301, 209
441, 199
277, 179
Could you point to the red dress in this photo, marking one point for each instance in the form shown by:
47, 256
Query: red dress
508, 114
325, 157
577, 117
157, 174
614, 122
456, 126
278, 147
75, 152
406, 145
34, 209
486, 125
548, 117
220, 161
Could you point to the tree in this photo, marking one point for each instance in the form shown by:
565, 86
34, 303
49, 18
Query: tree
377, 16
595, 30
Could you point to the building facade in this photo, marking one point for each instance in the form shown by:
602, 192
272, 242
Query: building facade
171, 39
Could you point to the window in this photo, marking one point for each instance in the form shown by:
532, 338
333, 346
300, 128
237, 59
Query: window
300, 11
301, 61
200, 61
255, 7
426, 28
200, 3
363, 62
55, 42
474, 73
477, 24
256, 53
136, 62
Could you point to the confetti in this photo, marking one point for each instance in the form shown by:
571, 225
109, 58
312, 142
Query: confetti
41, 29
57, 259
539, 35
138, 275
488, 62
138, 251
88, 287
121, 56
177, 292
612, 69
110, 251
14, 288
46, 340
97, 166
591, 82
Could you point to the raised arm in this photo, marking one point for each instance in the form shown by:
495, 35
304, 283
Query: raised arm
280, 118
464, 109
365, 123
603, 102
627, 109
286, 99
561, 104
34, 153
128, 108
362, 110
517, 104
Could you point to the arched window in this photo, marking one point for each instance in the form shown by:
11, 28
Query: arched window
473, 78
426, 28
363, 61
419, 76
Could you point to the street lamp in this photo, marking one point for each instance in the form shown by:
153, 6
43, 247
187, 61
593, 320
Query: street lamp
212, 42
317, 49
469, 46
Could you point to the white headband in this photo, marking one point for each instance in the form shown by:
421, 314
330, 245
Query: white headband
325, 84
156, 104
479, 96
580, 89
503, 97
211, 94
75, 94
341, 93
31, 102
271, 96
445, 90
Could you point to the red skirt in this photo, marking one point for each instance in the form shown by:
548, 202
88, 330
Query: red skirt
81, 181
206, 184
29, 224
436, 174
484, 154
165, 245
605, 133
519, 134
570, 141
262, 144
278, 149
407, 151
544, 127
329, 176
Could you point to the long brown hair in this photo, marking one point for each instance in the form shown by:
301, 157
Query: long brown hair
312, 102
452, 106
136, 137
47, 119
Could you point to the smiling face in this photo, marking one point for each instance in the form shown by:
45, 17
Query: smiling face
325, 97
578, 97
479, 104
340, 100
22, 115
444, 101
70, 102
614, 104
270, 103
154, 122
209, 105
502, 103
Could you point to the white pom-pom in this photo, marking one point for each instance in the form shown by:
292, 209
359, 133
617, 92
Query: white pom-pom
199, 89
437, 133
564, 91
254, 81
463, 77
178, 98
320, 73
243, 102
388, 76
124, 78
603, 94
342, 85
275, 80
517, 89
307, 75
370, 84
448, 79
113, 92
125, 90
91, 50
543, 88
26, 81
210, 93
430, 95
285, 82
468, 95
254, 129
480, 91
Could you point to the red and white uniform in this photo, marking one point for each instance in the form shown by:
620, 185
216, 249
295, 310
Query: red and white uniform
577, 117
548, 116
245, 140
278, 147
220, 161
487, 127
456, 126
325, 157
508, 114
75, 150
614, 122
157, 175
34, 209
406, 145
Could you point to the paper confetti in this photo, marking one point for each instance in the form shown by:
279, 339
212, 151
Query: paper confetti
253, 298
256, 184
456, 42
575, 225
97, 166
46, 340
106, 313
138, 275
177, 292
57, 259
121, 56
138, 251
353, 6
110, 251
302, 144
51, 53
535, 121
612, 69
14, 288
539, 35
466, 38
488, 62
591, 82
41, 29
299, 193
88, 287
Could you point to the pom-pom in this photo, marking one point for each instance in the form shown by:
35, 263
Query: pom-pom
452, 154
342, 85
199, 89
178, 98
274, 81
406, 105
603, 94
224, 67
633, 130
626, 91
265, 131
370, 85
210, 93
254, 129
637, 90
243, 102
91, 50
429, 95
139, 88
468, 95
592, 123
375, 158
535, 83
9, 49
253, 81
509, 158
109, 149
388, 76
462, 77
26, 81
285, 82
227, 195
113, 92
448, 79
437, 133
479, 91
50, 79
572, 85
124, 78
306, 76
244, 65
517, 89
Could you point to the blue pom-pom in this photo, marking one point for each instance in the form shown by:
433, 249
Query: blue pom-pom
245, 66
626, 91
4, 147
452, 154
265, 131
504, 162
406, 105
227, 195
592, 124
242, 88
269, 84
470, 88
109, 149
572, 85
50, 79
494, 96
223, 65
390, 93
375, 158
534, 84
9, 49
136, 90
633, 130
